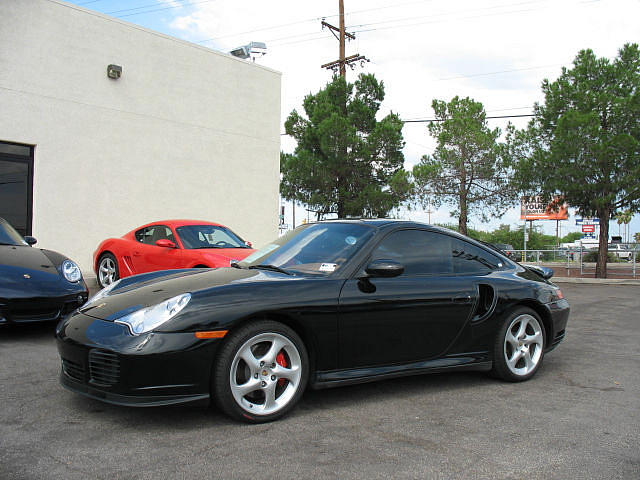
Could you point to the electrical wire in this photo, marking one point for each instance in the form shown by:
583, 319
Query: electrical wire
427, 120
182, 5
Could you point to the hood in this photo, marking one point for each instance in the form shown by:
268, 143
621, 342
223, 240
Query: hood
27, 272
140, 291
224, 253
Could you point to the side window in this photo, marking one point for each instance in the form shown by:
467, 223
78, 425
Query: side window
472, 260
151, 235
140, 235
421, 252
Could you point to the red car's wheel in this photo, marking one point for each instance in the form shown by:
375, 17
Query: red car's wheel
107, 270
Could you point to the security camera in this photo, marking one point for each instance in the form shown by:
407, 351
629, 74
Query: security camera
114, 71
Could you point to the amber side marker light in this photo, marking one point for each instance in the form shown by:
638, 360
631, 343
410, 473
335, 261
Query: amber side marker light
212, 334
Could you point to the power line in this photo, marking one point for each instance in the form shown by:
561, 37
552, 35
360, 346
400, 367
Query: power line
426, 120
182, 5
148, 5
314, 19
427, 22
500, 71
444, 14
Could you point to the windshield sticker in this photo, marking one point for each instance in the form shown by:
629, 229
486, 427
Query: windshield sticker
328, 267
350, 240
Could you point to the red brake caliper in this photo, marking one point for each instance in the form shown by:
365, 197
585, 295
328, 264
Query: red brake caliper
283, 363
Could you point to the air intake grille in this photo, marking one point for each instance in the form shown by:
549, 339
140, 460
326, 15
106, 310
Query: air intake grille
104, 368
559, 337
73, 370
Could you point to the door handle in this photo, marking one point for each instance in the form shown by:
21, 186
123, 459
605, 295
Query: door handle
463, 298
136, 254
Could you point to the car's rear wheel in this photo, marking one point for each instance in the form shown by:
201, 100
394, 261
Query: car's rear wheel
107, 270
261, 372
519, 346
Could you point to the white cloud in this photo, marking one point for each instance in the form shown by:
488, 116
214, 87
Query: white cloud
422, 50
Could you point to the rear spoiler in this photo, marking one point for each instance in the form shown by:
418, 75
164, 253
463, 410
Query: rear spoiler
544, 272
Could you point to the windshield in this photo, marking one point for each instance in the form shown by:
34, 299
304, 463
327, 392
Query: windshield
8, 235
317, 249
209, 236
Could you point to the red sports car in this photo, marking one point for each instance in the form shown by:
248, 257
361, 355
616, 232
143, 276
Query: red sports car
166, 245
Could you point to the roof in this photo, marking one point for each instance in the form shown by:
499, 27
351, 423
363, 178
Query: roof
180, 222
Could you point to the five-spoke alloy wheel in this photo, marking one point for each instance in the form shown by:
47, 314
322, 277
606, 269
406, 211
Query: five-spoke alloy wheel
261, 372
519, 346
107, 270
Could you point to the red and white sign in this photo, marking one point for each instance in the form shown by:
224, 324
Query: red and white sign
588, 228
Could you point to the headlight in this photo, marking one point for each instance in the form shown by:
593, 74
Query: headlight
151, 317
71, 271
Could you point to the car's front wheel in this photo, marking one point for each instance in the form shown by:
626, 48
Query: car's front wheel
107, 270
519, 346
261, 372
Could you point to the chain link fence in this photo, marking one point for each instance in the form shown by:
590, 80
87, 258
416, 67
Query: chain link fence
623, 260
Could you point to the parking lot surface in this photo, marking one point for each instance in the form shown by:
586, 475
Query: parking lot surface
579, 418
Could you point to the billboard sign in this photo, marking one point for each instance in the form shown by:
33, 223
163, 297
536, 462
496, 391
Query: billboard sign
588, 228
535, 208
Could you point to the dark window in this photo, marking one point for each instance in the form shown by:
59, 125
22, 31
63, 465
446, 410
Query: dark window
16, 185
421, 252
151, 235
471, 260
140, 235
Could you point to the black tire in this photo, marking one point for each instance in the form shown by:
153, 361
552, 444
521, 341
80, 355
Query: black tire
519, 357
103, 261
269, 394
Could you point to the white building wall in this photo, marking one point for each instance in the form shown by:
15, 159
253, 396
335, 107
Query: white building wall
186, 132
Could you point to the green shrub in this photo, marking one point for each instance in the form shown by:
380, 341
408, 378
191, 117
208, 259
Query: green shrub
593, 257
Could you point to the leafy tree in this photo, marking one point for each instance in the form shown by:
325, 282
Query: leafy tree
571, 237
466, 169
346, 161
584, 142
624, 218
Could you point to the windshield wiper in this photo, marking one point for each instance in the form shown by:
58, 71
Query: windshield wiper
270, 267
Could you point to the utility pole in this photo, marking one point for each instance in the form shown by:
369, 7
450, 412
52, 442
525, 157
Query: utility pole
343, 70
340, 65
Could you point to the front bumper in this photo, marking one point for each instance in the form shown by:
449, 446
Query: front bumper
559, 311
42, 308
102, 360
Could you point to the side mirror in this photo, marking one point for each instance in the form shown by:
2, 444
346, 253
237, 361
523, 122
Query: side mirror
30, 240
248, 244
165, 243
384, 268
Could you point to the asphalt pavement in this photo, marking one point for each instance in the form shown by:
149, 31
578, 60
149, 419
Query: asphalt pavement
579, 418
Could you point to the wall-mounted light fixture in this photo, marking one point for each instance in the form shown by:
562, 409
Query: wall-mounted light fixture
114, 71
252, 50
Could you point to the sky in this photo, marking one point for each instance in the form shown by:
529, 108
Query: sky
497, 52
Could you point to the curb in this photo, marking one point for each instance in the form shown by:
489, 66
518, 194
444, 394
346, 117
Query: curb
597, 281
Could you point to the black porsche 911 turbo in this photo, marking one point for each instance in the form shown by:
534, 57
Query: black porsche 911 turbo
330, 303
36, 284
